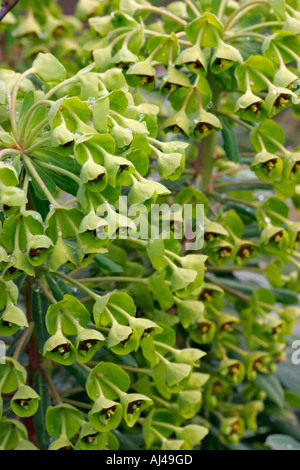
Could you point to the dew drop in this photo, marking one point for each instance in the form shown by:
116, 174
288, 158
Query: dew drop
29, 178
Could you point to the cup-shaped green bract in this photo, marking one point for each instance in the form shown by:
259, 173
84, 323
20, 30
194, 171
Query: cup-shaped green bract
29, 27
244, 250
8, 175
175, 444
194, 59
189, 311
25, 401
232, 369
291, 168
12, 198
175, 375
170, 165
257, 361
183, 281
285, 78
93, 176
91, 439
294, 234
213, 230
38, 248
204, 124
178, 123
251, 107
278, 98
12, 319
226, 322
249, 413
61, 256
93, 230
123, 58
65, 315
87, 343
106, 414
142, 74
220, 252
62, 443
61, 136
133, 405
11, 433
122, 136
118, 168
203, 331
60, 349
267, 166
192, 433
63, 420
190, 356
224, 57
231, 430
172, 80
14, 373
4, 257
274, 239
122, 339
145, 192
49, 69
17, 266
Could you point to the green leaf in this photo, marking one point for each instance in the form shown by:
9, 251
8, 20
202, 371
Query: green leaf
282, 442
231, 146
42, 389
271, 385
40, 305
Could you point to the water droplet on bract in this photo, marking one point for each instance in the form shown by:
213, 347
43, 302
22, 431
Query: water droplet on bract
59, 233
29, 178
128, 129
251, 82
267, 219
8, 161
261, 197
176, 147
248, 38
51, 206
74, 289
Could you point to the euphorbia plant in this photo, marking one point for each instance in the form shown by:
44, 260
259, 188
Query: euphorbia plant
112, 331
